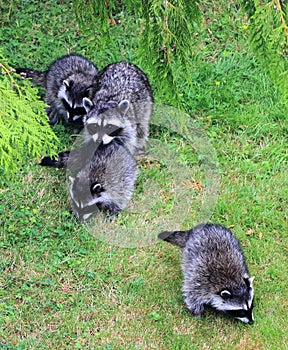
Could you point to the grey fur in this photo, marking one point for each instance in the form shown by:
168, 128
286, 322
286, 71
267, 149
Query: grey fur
103, 130
123, 93
106, 181
67, 81
215, 272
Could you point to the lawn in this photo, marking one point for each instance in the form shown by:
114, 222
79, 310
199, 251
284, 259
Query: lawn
66, 285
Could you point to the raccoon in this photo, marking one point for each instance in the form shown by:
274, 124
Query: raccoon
67, 81
105, 182
123, 94
102, 175
215, 272
103, 131
108, 123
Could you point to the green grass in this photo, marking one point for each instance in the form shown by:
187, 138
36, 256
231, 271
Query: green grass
64, 288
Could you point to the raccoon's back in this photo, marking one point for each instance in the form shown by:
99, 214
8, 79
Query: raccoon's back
114, 168
123, 80
213, 256
119, 168
70, 65
61, 69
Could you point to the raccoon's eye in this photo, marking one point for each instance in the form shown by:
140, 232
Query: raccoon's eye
113, 130
116, 132
92, 128
111, 126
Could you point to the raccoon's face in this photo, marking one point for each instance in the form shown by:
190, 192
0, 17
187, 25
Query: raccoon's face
72, 95
237, 303
86, 198
106, 122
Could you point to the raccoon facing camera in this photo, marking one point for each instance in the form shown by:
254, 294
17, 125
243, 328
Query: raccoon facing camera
108, 123
123, 97
215, 272
67, 81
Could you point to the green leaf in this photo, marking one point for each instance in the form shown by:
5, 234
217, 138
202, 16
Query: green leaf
24, 129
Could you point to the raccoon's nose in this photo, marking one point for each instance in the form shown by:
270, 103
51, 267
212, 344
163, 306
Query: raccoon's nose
250, 322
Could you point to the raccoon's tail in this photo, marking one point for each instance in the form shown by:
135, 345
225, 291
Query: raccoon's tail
178, 238
38, 77
61, 162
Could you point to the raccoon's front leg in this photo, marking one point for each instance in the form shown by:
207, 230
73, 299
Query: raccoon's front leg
52, 115
61, 162
194, 306
142, 136
112, 208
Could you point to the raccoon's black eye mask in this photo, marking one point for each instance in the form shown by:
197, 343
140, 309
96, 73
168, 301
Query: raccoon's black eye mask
109, 129
87, 92
113, 130
73, 111
92, 128
239, 313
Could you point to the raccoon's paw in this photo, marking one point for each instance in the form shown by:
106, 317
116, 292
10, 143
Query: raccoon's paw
21, 72
111, 217
194, 307
141, 153
52, 115
197, 312
113, 211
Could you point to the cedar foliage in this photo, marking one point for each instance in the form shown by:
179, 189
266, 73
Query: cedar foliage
269, 39
166, 37
24, 127
165, 44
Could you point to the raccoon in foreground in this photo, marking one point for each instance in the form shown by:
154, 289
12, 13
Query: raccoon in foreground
67, 81
215, 272
124, 97
105, 182
105, 130
102, 176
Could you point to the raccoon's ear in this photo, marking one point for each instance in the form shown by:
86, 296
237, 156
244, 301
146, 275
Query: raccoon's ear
71, 180
225, 294
96, 188
123, 106
87, 104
